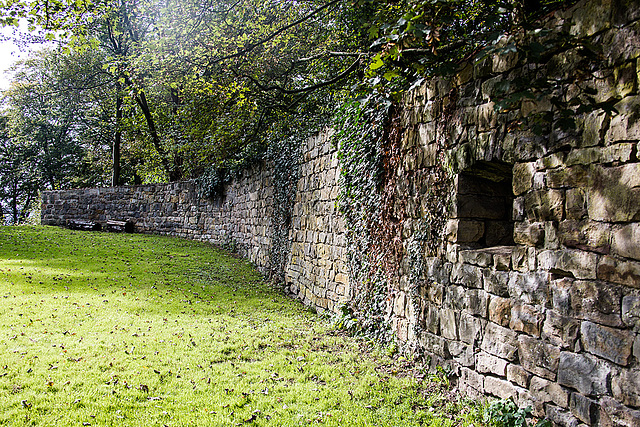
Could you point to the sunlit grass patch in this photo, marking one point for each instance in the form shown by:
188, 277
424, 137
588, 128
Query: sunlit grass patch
131, 330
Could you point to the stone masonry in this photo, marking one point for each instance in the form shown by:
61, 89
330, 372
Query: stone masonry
239, 220
534, 291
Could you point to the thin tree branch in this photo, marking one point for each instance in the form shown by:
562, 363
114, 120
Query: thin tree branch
273, 35
306, 89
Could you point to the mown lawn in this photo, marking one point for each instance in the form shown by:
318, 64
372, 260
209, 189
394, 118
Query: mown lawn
130, 330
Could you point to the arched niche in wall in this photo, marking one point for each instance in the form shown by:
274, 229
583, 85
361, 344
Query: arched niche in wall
481, 213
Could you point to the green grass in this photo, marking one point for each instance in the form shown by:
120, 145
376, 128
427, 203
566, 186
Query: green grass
131, 330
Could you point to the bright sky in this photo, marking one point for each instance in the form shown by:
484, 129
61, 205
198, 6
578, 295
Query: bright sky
10, 52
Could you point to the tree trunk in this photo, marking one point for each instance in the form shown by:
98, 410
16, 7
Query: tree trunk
115, 177
141, 100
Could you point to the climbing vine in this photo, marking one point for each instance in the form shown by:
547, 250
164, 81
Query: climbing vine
284, 157
395, 213
367, 142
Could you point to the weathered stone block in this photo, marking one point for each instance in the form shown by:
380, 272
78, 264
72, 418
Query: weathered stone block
617, 271
618, 153
471, 379
538, 357
399, 304
526, 318
500, 311
631, 311
576, 204
615, 194
431, 318
611, 344
571, 263
528, 234
573, 177
614, 414
561, 417
584, 373
593, 301
500, 388
476, 302
434, 344
523, 177
499, 341
584, 156
548, 391
523, 259
470, 328
518, 375
464, 230
437, 270
530, 288
626, 241
467, 275
625, 385
489, 364
559, 330
583, 408
625, 126
461, 353
455, 297
552, 161
495, 282
589, 18
475, 257
448, 324
544, 205
586, 235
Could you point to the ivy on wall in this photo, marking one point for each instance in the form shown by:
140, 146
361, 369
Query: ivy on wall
362, 138
395, 214
284, 157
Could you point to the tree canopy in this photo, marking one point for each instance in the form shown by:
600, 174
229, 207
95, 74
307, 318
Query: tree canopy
157, 90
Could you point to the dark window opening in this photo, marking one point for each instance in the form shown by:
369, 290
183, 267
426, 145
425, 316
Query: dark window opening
483, 206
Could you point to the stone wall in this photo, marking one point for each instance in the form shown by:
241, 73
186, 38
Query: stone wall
242, 219
534, 293
534, 289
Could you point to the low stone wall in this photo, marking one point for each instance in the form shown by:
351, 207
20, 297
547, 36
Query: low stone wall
533, 292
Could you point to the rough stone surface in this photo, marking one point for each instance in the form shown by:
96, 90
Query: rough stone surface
625, 241
526, 318
561, 331
619, 271
611, 344
548, 391
625, 385
538, 357
584, 373
631, 311
583, 408
488, 364
588, 300
499, 341
614, 414
572, 263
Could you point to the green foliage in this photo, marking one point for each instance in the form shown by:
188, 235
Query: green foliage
360, 137
505, 413
206, 87
129, 330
